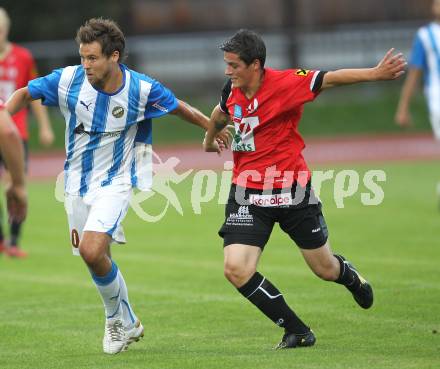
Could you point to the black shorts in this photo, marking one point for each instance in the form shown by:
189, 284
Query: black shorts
250, 215
26, 156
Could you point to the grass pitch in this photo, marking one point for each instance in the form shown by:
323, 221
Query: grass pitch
51, 315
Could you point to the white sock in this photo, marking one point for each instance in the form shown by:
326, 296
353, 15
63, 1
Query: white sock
128, 314
110, 291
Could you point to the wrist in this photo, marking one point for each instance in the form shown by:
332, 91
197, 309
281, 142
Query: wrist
374, 74
402, 108
209, 138
204, 123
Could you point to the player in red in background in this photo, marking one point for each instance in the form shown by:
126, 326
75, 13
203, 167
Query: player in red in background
13, 153
17, 68
271, 180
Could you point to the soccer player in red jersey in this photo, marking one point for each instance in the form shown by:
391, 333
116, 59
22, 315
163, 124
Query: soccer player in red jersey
13, 154
17, 68
271, 180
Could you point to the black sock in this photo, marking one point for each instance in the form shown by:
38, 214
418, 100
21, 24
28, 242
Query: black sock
346, 275
15, 233
266, 297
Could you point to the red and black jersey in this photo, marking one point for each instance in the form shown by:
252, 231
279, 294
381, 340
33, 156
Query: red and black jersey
16, 70
267, 147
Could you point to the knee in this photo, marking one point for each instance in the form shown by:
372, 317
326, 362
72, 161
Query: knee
90, 255
238, 274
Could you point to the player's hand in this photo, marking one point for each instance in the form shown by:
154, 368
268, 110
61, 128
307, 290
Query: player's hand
224, 138
403, 119
392, 66
213, 146
46, 137
16, 198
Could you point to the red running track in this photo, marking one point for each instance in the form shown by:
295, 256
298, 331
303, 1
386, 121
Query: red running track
353, 149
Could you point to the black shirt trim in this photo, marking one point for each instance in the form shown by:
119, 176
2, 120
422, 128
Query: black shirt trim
226, 91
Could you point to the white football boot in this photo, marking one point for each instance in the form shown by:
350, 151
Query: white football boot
134, 333
115, 338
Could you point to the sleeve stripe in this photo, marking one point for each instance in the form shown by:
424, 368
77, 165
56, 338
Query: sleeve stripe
312, 82
316, 83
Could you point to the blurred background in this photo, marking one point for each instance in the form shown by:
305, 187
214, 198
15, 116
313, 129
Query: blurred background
50, 315
176, 42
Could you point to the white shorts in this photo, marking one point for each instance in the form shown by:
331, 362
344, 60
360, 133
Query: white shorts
102, 212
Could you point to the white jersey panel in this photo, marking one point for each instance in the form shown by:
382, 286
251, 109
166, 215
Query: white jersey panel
430, 37
145, 88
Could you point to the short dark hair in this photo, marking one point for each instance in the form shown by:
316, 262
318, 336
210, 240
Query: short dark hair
104, 31
248, 45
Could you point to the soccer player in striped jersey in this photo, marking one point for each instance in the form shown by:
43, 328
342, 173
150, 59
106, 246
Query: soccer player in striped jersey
271, 180
108, 110
424, 62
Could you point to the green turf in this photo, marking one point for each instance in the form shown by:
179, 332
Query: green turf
343, 111
51, 315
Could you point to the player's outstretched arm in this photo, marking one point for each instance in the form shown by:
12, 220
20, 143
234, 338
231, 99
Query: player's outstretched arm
218, 123
191, 114
403, 116
12, 151
195, 116
391, 67
19, 100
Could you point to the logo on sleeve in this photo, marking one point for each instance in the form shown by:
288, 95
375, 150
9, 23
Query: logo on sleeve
118, 111
160, 107
302, 72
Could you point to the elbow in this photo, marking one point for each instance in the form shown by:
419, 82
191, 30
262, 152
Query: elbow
19, 100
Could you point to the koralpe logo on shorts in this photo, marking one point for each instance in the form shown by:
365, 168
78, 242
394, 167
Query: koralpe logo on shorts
266, 201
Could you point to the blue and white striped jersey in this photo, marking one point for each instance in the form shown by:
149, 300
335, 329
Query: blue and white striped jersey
101, 128
425, 55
